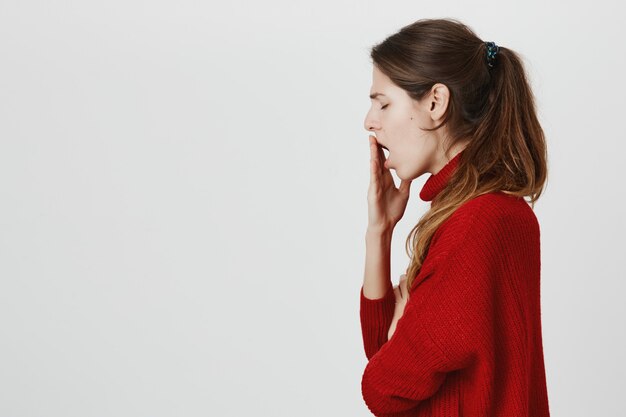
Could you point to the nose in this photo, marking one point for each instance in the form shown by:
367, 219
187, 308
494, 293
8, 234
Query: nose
371, 124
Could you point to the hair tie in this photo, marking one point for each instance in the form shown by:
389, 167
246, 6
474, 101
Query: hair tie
492, 50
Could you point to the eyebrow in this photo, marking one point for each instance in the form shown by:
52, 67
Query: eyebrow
374, 95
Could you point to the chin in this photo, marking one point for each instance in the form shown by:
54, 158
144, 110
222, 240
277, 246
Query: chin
403, 175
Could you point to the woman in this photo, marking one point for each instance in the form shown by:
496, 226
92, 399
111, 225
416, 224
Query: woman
461, 334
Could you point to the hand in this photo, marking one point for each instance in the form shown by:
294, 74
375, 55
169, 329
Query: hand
386, 203
402, 295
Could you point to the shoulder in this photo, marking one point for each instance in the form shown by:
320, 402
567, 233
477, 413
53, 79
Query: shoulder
487, 218
492, 211
480, 235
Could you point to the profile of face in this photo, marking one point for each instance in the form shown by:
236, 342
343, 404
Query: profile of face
397, 122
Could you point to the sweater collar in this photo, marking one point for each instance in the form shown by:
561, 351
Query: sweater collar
437, 182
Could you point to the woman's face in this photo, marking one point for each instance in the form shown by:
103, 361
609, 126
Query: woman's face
397, 121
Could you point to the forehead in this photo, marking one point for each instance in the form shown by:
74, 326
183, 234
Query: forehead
379, 77
381, 85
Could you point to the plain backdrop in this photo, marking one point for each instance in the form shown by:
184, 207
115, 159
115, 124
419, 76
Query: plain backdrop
183, 202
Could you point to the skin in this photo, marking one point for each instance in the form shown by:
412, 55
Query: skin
397, 122
398, 127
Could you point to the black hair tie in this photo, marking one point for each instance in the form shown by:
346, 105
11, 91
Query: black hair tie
492, 50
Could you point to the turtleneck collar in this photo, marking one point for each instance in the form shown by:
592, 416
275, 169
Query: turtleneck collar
437, 182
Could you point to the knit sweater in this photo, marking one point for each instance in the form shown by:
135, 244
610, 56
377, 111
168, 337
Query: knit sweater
469, 342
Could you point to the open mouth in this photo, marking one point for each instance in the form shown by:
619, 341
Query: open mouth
381, 145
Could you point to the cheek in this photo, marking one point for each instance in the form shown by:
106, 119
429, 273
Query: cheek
402, 144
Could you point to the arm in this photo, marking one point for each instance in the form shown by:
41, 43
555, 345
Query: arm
377, 277
432, 338
445, 323
377, 296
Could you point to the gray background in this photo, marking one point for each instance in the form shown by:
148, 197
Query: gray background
183, 202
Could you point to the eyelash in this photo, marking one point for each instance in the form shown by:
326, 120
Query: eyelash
384, 106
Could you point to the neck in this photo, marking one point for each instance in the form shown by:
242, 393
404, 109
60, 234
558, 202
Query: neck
438, 180
445, 158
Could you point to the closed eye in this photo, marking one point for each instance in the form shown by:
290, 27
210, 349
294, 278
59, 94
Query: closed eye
384, 106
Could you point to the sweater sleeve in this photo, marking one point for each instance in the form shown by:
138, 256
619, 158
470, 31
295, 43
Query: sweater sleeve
376, 317
444, 323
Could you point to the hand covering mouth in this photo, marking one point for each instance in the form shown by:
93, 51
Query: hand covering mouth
380, 144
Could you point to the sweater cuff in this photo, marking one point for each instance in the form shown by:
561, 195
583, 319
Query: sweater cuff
376, 317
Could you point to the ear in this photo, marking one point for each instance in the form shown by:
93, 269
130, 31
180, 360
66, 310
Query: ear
438, 100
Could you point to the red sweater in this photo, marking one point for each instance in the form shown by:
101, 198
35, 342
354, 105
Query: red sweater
469, 342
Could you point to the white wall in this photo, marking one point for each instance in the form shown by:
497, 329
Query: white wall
183, 202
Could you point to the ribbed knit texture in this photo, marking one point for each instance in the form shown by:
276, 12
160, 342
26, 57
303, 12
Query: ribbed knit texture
469, 342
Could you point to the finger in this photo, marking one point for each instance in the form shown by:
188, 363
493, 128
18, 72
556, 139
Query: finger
374, 168
385, 172
374, 152
378, 150
403, 280
381, 155
373, 172
403, 284
371, 141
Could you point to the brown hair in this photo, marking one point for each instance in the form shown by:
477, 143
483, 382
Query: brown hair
491, 108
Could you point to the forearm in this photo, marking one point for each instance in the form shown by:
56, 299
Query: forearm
377, 277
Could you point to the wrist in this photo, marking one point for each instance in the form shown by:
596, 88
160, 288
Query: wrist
379, 238
376, 231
